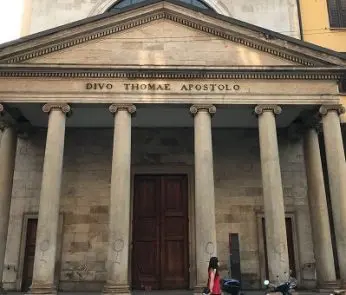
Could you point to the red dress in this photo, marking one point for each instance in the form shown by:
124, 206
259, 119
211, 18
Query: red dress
216, 288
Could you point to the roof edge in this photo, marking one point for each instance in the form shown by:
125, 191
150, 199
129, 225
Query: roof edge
269, 34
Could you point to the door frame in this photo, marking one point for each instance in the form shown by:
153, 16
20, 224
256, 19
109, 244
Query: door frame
26, 217
288, 214
170, 170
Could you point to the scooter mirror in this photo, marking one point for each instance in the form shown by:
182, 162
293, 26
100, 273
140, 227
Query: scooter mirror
266, 283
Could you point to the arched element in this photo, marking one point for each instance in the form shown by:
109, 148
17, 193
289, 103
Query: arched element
103, 5
126, 3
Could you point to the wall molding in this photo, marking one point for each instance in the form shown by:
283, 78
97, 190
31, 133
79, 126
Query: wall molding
139, 73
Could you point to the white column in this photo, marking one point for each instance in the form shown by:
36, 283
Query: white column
48, 218
8, 146
119, 209
321, 235
274, 209
337, 177
206, 245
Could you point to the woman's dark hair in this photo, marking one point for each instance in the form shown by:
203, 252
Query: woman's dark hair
213, 264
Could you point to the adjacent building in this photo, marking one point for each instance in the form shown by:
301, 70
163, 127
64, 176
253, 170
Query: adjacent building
323, 23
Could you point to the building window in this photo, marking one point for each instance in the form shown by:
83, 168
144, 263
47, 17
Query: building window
337, 13
125, 3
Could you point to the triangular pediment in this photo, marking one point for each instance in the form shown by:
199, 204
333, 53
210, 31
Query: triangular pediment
168, 34
161, 42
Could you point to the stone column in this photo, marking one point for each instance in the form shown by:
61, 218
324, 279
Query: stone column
8, 146
337, 177
274, 209
321, 236
206, 246
119, 209
48, 218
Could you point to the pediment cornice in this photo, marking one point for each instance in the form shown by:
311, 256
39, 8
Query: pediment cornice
83, 32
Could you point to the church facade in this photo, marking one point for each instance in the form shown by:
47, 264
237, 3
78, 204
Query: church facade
139, 143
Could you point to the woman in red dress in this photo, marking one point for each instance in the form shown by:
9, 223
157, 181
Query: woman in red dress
214, 277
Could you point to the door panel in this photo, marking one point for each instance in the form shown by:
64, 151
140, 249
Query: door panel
160, 232
172, 266
174, 270
145, 259
29, 255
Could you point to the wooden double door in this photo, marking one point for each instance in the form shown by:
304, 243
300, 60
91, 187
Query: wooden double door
160, 232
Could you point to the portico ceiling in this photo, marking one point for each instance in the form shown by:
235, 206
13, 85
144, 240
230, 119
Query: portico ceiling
98, 116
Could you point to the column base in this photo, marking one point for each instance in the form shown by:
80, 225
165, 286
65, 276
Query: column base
327, 287
110, 289
197, 290
42, 289
343, 285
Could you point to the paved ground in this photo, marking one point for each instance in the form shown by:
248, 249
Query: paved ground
180, 292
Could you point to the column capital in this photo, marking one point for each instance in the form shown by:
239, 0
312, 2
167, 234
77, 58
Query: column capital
260, 109
324, 109
5, 124
115, 107
211, 109
312, 120
317, 126
5, 121
64, 107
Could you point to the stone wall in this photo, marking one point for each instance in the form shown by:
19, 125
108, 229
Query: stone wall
277, 15
86, 186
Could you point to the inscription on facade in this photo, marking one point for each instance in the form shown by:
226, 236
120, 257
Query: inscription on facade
164, 87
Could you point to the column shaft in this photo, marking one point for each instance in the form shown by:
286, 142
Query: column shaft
321, 236
274, 209
47, 227
8, 146
206, 245
119, 212
337, 178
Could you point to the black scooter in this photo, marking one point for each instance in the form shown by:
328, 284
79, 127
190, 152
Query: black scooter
285, 288
231, 287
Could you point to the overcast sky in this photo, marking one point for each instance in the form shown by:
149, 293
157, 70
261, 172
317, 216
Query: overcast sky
11, 12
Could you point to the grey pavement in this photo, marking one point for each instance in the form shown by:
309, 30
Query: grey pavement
177, 292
